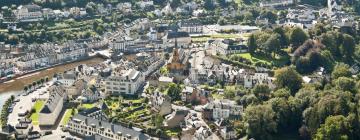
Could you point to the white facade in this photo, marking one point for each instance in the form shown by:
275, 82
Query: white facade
275, 3
124, 82
29, 13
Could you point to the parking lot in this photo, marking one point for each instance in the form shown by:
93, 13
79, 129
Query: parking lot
26, 102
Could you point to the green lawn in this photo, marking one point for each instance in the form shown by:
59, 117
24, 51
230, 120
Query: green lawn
35, 116
87, 106
67, 116
254, 59
278, 61
214, 36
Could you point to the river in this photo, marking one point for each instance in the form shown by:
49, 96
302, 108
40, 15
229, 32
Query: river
15, 86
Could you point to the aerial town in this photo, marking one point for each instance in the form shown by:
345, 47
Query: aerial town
180, 69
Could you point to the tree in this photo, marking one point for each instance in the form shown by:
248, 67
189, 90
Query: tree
341, 70
42, 80
229, 92
30, 86
261, 91
261, 121
272, 17
175, 3
287, 77
345, 84
284, 40
209, 5
174, 91
282, 93
282, 110
335, 128
34, 84
272, 45
330, 39
347, 48
25, 89
327, 60
298, 37
46, 79
252, 44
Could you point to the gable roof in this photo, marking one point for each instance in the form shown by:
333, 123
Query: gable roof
55, 97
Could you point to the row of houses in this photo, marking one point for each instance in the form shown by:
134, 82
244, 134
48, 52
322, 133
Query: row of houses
48, 54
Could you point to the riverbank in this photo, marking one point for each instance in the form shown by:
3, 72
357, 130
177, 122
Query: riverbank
18, 84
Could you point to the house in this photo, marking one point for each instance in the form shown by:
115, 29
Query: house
258, 78
222, 109
161, 103
89, 127
202, 133
124, 7
77, 12
167, 10
51, 110
177, 39
227, 46
124, 82
121, 44
191, 26
68, 78
76, 88
228, 133
175, 119
48, 13
276, 3
145, 3
29, 13
194, 95
90, 94
164, 81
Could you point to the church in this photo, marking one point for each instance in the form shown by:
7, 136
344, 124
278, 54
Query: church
178, 63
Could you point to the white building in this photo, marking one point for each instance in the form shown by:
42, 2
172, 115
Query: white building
276, 3
124, 82
228, 132
223, 109
161, 103
68, 78
53, 106
28, 13
192, 27
227, 46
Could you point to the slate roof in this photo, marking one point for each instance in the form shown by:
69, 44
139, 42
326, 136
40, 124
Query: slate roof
56, 96
177, 35
115, 128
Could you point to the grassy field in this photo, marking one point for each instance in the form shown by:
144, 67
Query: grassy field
254, 59
278, 61
35, 116
67, 116
87, 106
214, 36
